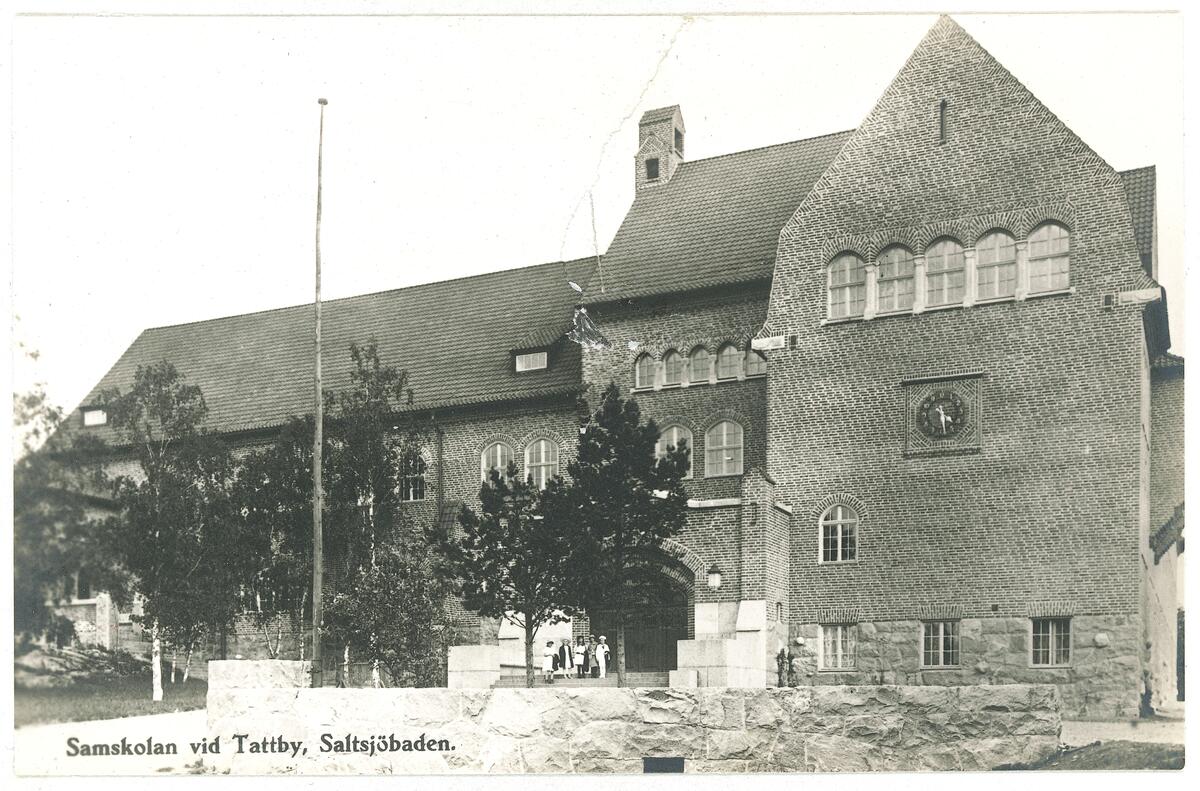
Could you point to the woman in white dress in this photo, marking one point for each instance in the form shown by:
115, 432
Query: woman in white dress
548, 657
602, 656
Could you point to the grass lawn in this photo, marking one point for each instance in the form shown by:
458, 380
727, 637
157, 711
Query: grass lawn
104, 698
1114, 755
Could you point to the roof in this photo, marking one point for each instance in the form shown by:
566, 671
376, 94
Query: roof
717, 221
1139, 194
453, 337
660, 114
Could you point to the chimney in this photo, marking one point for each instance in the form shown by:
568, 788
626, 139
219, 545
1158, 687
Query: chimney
660, 147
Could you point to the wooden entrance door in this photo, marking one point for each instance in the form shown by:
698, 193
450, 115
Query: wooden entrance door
651, 636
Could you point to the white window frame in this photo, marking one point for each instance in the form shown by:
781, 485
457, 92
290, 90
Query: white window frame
882, 280
851, 287
940, 639
660, 447
1055, 639
751, 354
840, 523
1048, 260
981, 268
712, 447
94, 417
545, 469
531, 361
729, 351
484, 468
406, 477
702, 379
846, 645
937, 251
638, 382
670, 358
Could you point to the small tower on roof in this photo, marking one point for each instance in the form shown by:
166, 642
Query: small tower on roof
660, 147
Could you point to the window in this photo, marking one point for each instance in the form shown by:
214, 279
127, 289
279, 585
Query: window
643, 372
1049, 258
534, 361
494, 457
839, 534
412, 478
723, 449
939, 644
895, 279
847, 286
698, 365
672, 437
944, 273
1051, 641
837, 646
541, 462
942, 122
996, 265
679, 142
651, 169
756, 364
672, 368
728, 358
94, 417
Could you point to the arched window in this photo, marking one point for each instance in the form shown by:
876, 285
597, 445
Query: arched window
728, 358
756, 364
672, 368
494, 457
673, 437
723, 449
839, 534
412, 478
895, 279
847, 286
1049, 258
643, 372
541, 462
698, 365
945, 273
996, 265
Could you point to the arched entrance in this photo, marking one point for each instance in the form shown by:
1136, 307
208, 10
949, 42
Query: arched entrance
656, 622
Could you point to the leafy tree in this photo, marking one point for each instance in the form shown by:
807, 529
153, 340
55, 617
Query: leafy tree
175, 530
619, 507
509, 561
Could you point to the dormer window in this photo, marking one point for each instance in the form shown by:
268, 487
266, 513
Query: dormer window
532, 361
652, 169
95, 417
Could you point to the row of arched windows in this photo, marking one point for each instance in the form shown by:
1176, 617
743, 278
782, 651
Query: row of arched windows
723, 447
699, 367
998, 267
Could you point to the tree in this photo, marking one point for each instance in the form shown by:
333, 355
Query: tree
619, 507
273, 494
510, 562
175, 530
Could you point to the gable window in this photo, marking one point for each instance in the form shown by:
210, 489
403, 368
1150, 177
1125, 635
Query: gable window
756, 364
723, 449
698, 365
679, 142
495, 456
847, 286
1049, 258
94, 417
412, 478
643, 372
839, 534
672, 368
541, 462
837, 646
895, 279
651, 169
996, 265
939, 644
728, 358
1051, 642
533, 361
674, 437
945, 264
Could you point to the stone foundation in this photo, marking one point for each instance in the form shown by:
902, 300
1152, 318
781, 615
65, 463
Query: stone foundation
858, 728
1103, 681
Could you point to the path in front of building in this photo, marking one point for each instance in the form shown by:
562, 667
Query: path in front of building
42, 749
1076, 733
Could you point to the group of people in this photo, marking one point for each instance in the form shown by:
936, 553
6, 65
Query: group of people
586, 657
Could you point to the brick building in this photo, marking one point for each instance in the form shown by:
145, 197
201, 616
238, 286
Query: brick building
922, 365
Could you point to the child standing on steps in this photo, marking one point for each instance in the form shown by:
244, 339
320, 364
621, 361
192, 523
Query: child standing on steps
549, 655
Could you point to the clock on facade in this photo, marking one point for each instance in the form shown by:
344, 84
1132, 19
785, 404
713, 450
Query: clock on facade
942, 415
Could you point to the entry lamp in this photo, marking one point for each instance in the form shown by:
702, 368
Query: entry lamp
714, 576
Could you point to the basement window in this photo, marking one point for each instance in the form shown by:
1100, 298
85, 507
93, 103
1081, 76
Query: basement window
939, 644
1051, 642
95, 417
837, 646
652, 169
533, 361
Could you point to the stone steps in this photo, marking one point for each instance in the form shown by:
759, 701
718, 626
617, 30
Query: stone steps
632, 679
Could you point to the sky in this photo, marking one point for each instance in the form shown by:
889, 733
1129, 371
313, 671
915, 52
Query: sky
164, 169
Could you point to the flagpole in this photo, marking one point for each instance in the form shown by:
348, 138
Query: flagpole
319, 421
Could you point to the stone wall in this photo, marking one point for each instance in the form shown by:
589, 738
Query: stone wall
868, 728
